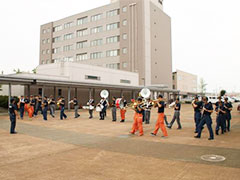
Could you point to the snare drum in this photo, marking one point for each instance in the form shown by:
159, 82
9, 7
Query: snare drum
98, 109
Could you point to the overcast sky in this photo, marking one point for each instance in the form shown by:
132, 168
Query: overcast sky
205, 35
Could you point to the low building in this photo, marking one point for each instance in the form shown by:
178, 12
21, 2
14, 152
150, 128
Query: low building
184, 82
71, 79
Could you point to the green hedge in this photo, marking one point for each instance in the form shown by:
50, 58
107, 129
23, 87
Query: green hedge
4, 101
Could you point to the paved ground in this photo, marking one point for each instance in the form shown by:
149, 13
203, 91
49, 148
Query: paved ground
84, 149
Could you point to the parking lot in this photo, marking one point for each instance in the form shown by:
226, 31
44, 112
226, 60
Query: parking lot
90, 149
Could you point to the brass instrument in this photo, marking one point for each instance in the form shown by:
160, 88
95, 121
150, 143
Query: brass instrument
49, 100
58, 102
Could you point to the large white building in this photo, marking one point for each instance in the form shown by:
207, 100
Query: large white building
129, 35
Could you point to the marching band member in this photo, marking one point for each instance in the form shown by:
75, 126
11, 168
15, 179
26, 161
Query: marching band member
27, 105
221, 111
228, 106
114, 110
123, 110
45, 108
76, 106
91, 108
137, 123
148, 107
12, 109
62, 108
177, 108
206, 119
32, 105
39, 105
103, 104
52, 105
197, 106
21, 106
160, 122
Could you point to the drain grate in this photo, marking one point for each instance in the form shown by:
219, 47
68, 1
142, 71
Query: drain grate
213, 158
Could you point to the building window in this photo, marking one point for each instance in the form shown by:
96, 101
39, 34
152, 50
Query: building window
57, 39
125, 81
59, 92
96, 29
124, 9
124, 22
96, 55
160, 1
68, 36
114, 12
125, 36
48, 51
57, 28
68, 25
97, 42
113, 39
68, 47
173, 77
81, 44
56, 50
113, 53
113, 66
68, 59
90, 77
43, 41
57, 60
124, 50
173, 86
82, 20
82, 32
47, 61
81, 57
124, 65
43, 62
44, 31
40, 91
48, 41
112, 26
96, 17
43, 52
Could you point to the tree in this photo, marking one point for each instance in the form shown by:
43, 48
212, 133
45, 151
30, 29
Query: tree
34, 71
17, 71
223, 92
202, 86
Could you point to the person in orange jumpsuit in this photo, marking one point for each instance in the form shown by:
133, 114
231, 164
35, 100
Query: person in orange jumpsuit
138, 117
123, 110
160, 122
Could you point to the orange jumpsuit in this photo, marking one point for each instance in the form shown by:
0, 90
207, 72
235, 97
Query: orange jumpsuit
122, 112
137, 123
160, 124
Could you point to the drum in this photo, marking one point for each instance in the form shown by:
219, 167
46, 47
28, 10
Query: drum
119, 103
98, 109
86, 107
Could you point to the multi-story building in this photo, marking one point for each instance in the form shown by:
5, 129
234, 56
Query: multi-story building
185, 82
130, 35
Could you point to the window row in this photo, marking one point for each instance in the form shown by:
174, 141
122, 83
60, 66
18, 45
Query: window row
84, 20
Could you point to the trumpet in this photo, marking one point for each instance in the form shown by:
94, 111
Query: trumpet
49, 100
58, 102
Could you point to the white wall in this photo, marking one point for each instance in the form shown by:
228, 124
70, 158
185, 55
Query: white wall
17, 90
77, 72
